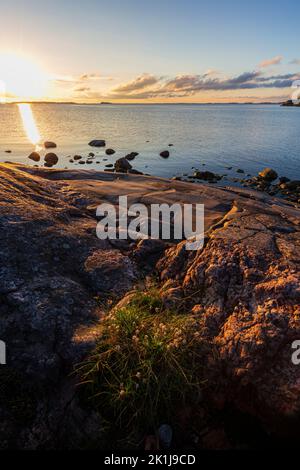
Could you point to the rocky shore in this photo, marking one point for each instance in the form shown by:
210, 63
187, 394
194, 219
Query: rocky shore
267, 180
58, 280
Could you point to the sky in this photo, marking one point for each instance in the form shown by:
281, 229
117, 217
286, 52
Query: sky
141, 51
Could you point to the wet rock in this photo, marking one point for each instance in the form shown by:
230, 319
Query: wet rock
51, 159
34, 156
284, 179
91, 154
165, 154
7, 151
109, 165
131, 156
110, 151
97, 143
268, 174
240, 171
135, 172
122, 165
77, 157
50, 145
292, 185
207, 176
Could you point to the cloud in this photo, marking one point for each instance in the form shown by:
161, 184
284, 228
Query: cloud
148, 86
275, 61
211, 72
139, 83
93, 77
295, 62
73, 80
82, 89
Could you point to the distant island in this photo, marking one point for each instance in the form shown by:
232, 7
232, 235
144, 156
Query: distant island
290, 103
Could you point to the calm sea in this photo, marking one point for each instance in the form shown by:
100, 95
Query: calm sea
250, 137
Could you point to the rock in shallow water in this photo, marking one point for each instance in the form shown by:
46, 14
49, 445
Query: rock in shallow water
110, 151
50, 145
34, 156
51, 159
268, 174
97, 143
207, 176
122, 165
131, 156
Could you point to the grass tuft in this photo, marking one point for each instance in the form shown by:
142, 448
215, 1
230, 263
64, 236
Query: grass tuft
147, 364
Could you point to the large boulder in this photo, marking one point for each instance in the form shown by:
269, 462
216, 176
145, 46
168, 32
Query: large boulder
244, 285
54, 277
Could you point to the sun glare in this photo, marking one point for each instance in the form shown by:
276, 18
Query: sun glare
21, 77
29, 123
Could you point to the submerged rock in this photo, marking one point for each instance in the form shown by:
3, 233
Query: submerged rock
207, 176
135, 172
131, 156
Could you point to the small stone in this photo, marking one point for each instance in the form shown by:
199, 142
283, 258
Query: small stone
165, 154
97, 143
110, 151
34, 156
50, 145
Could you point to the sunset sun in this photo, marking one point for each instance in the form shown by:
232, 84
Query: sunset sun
21, 77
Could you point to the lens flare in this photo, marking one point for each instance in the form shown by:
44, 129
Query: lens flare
29, 124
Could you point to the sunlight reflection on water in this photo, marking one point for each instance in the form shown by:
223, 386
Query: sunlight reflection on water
29, 124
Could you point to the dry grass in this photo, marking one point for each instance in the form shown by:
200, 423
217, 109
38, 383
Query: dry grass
148, 363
